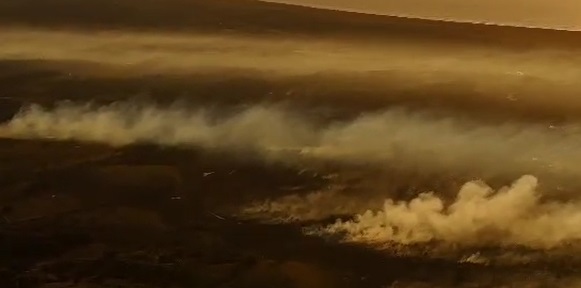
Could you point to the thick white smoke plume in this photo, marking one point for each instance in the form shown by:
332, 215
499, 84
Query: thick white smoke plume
395, 137
479, 215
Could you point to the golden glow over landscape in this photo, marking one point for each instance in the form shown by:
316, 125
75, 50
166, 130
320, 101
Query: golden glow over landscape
559, 14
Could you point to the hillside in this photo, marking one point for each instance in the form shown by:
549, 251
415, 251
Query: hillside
249, 16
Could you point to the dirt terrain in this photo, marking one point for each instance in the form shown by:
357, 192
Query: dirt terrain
79, 213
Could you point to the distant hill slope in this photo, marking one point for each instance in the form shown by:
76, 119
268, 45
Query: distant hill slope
250, 16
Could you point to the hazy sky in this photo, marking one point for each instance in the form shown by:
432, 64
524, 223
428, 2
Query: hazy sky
553, 13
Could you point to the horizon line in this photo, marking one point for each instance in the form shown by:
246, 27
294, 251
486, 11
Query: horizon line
415, 17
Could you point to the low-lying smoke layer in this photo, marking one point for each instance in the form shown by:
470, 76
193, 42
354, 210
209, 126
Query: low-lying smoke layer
396, 137
428, 70
315, 206
154, 53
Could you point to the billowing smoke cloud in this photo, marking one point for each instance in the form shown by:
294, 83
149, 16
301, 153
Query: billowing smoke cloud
478, 216
396, 137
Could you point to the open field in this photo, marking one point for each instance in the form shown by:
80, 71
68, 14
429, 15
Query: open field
234, 143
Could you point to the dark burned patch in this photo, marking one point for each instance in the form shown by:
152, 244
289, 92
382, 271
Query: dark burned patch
9, 107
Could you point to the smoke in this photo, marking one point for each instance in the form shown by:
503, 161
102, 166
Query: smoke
430, 72
315, 206
407, 139
396, 137
174, 52
479, 215
515, 215
126, 123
